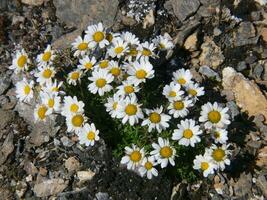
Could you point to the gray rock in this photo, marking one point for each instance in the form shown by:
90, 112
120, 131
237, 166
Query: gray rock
261, 182
81, 13
7, 148
208, 72
4, 82
234, 110
258, 70
246, 34
255, 15
251, 59
101, 196
241, 66
184, 9
217, 31
243, 186
66, 141
6, 118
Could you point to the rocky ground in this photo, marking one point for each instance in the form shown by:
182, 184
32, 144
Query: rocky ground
223, 42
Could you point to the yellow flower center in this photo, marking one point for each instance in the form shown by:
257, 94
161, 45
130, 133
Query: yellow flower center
83, 46
91, 135
148, 165
109, 37
77, 120
88, 65
178, 105
204, 166
115, 105
155, 117
131, 109
187, 133
146, 52
22, 61
75, 75
47, 73
74, 107
133, 52
103, 64
46, 56
214, 116
218, 154
129, 89
27, 89
41, 112
98, 36
118, 50
161, 46
55, 89
140, 74
135, 156
51, 103
165, 152
172, 94
115, 71
100, 82
181, 81
192, 92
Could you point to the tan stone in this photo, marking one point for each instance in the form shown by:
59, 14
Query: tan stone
33, 2
264, 34
262, 158
72, 164
191, 42
247, 94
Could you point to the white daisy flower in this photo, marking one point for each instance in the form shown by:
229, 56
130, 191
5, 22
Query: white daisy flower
97, 35
194, 90
179, 108
41, 112
101, 80
24, 90
75, 122
118, 48
187, 133
133, 158
81, 46
46, 57
163, 43
112, 105
127, 89
220, 155
130, 38
72, 106
146, 50
87, 63
88, 135
173, 92
74, 77
115, 70
163, 152
129, 110
156, 120
147, 167
110, 36
219, 135
45, 74
50, 100
103, 64
52, 87
20, 62
140, 71
214, 115
205, 164
182, 76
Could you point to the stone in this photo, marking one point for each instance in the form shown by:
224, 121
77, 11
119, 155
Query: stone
85, 175
261, 182
101, 196
6, 118
247, 94
208, 72
242, 187
251, 59
262, 158
191, 42
21, 188
4, 82
234, 111
258, 70
7, 148
72, 164
245, 34
33, 2
66, 141
30, 168
81, 13
264, 34
212, 54
65, 41
149, 19
184, 9
261, 2
217, 31
50, 187
241, 66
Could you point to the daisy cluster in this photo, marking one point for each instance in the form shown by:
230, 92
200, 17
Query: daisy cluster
116, 66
